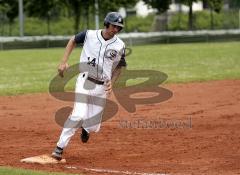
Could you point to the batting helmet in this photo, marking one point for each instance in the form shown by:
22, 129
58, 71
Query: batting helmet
113, 18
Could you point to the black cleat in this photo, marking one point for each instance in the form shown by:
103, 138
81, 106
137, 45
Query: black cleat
84, 136
57, 153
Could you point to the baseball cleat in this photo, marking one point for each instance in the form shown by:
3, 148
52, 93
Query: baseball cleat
84, 136
57, 153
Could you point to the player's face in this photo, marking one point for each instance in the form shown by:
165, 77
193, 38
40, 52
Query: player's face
113, 29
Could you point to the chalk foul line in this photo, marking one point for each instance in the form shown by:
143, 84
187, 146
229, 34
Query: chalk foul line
99, 170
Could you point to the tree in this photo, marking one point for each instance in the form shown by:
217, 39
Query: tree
214, 5
45, 9
189, 3
161, 5
3, 18
160, 20
75, 6
235, 4
83, 7
106, 6
10, 8
86, 5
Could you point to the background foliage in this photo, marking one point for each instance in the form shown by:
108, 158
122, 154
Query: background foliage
66, 17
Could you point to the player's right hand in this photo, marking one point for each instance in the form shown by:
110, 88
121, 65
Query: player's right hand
61, 68
108, 88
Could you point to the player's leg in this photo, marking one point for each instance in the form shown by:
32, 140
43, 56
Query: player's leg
96, 105
74, 121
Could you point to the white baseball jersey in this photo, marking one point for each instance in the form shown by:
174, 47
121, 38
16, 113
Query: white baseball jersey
101, 56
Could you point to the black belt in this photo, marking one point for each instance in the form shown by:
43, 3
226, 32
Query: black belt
95, 81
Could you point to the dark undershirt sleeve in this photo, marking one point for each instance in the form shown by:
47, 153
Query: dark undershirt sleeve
80, 37
122, 62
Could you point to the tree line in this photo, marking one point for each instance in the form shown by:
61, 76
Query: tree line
52, 9
213, 5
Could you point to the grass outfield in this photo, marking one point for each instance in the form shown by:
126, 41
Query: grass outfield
29, 71
14, 171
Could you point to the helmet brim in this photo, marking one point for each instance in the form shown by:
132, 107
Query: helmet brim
117, 24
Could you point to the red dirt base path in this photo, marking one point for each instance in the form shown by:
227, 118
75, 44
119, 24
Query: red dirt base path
204, 140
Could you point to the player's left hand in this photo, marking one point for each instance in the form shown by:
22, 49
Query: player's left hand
108, 87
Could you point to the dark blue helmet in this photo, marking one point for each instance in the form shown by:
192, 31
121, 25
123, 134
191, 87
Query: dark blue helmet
114, 18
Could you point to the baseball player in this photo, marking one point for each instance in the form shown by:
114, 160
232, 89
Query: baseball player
101, 60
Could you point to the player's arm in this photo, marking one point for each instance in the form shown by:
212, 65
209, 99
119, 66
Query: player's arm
116, 73
68, 50
122, 63
77, 39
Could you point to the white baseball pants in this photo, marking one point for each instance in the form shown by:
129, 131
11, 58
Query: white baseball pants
90, 99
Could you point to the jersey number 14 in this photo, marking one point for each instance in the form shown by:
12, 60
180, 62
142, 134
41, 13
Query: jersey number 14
92, 62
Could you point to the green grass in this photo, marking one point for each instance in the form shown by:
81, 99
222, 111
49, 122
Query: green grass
15, 171
190, 62
29, 71
24, 71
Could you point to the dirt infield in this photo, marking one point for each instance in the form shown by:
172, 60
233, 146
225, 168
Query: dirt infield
197, 131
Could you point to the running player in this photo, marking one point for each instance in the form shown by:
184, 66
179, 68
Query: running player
103, 55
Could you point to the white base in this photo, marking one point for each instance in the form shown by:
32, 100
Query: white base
42, 159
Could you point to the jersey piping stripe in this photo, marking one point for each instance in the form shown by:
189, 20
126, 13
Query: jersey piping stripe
99, 51
104, 54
